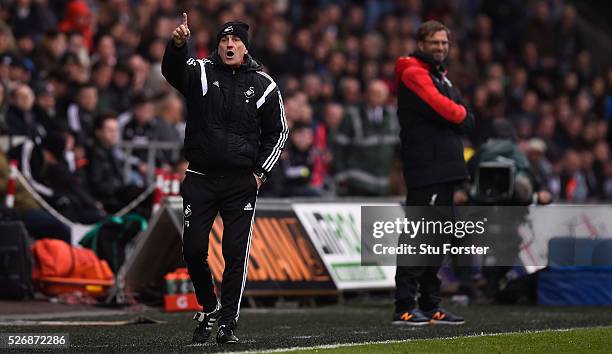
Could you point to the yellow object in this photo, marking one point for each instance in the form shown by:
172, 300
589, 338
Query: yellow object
468, 152
94, 289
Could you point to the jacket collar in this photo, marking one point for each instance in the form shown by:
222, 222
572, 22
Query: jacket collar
249, 63
435, 67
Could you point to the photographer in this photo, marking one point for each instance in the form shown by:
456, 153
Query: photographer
502, 173
504, 180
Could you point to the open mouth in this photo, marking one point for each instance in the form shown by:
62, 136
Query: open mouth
230, 54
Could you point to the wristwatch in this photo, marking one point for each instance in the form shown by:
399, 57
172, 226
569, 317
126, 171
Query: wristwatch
262, 176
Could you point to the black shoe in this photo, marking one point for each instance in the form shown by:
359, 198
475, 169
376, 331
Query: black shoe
225, 335
205, 325
413, 317
441, 316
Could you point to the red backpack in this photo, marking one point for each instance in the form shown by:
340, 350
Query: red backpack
63, 268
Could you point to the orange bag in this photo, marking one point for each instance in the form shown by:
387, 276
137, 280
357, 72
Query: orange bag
62, 268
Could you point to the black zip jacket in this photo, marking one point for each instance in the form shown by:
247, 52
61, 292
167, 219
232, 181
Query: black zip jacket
235, 116
432, 118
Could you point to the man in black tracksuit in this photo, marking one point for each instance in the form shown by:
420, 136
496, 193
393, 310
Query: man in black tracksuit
235, 132
432, 119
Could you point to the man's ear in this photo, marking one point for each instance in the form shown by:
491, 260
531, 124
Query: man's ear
420, 45
246, 51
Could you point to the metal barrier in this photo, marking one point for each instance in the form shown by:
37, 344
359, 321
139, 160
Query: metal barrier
152, 148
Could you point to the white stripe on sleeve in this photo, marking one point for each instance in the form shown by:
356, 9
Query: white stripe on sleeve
203, 77
73, 117
262, 99
276, 151
269, 89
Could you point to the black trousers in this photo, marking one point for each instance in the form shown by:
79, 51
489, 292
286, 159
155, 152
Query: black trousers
233, 196
410, 280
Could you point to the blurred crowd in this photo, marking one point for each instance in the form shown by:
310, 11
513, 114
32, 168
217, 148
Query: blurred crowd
82, 80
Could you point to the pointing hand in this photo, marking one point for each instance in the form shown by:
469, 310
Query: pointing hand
181, 33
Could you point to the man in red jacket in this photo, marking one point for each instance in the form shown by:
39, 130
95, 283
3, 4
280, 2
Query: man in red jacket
432, 119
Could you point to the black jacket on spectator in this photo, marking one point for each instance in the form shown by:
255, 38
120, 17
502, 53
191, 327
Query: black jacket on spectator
104, 172
50, 122
105, 177
34, 22
69, 197
298, 172
235, 117
432, 120
22, 123
81, 123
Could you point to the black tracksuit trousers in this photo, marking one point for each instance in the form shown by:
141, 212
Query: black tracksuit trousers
410, 280
233, 196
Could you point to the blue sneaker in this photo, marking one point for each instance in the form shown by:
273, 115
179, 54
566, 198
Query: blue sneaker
413, 317
441, 316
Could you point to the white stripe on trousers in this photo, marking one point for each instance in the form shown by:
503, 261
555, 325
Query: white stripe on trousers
246, 260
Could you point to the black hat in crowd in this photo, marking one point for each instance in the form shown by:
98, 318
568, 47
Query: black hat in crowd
13, 61
236, 28
70, 58
55, 143
141, 99
503, 129
300, 125
43, 88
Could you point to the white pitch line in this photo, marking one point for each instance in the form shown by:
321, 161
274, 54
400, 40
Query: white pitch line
342, 345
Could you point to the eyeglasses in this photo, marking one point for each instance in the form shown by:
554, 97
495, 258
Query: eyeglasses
441, 43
